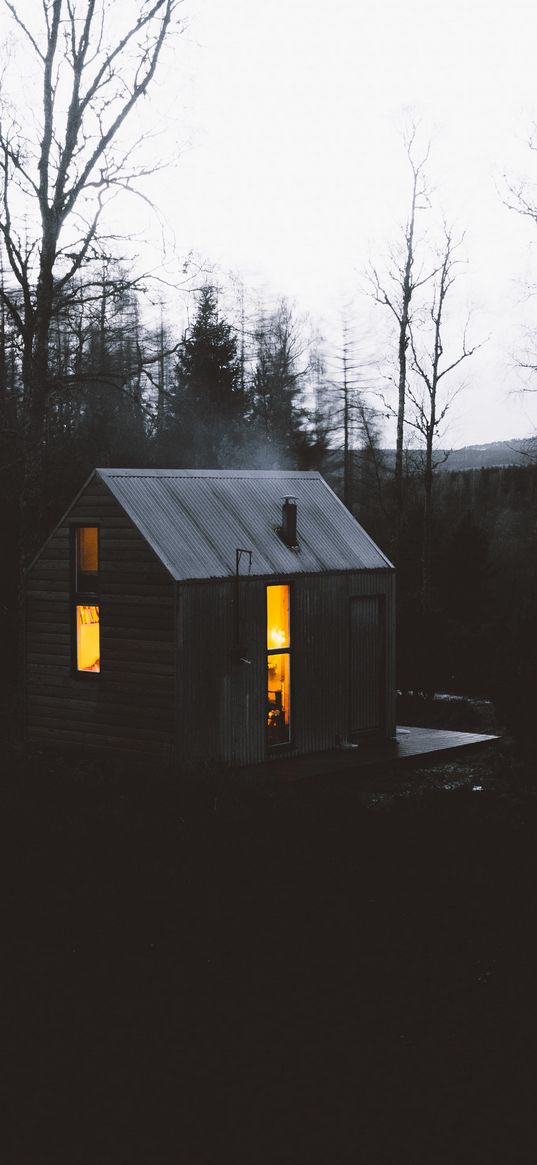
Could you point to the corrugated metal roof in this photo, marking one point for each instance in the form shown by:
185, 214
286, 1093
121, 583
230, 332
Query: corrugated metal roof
195, 519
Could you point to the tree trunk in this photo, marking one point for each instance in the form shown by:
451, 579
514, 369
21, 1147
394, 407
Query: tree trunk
35, 372
428, 625
426, 556
161, 388
399, 442
347, 452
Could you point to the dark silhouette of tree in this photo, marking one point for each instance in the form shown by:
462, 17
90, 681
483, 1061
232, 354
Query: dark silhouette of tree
353, 418
397, 287
317, 436
429, 409
277, 388
207, 407
100, 350
94, 64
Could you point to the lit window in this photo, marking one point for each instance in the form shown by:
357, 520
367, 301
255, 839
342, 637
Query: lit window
87, 558
277, 618
88, 548
85, 600
88, 645
278, 665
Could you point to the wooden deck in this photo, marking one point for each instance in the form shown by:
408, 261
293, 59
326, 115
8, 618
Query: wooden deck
410, 744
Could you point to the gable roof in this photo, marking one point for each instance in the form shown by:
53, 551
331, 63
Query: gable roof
195, 519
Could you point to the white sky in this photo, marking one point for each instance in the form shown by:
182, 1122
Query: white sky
288, 115
294, 172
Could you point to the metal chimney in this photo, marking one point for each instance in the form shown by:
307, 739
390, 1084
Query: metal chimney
288, 531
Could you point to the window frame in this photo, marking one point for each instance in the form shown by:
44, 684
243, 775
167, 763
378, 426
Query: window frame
84, 596
84, 578
288, 651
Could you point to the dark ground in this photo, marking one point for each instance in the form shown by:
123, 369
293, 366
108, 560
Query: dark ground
330, 971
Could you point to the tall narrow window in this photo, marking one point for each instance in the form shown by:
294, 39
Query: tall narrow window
278, 665
86, 605
88, 646
87, 558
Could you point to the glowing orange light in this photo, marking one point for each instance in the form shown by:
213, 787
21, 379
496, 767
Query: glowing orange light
276, 637
88, 549
278, 664
278, 617
278, 697
88, 646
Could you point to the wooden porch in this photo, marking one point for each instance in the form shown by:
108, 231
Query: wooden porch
410, 744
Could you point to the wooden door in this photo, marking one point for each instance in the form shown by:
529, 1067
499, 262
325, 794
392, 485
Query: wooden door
366, 664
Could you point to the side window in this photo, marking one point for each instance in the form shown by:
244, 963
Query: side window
87, 558
278, 665
86, 610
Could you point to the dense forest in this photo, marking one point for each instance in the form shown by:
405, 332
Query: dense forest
226, 393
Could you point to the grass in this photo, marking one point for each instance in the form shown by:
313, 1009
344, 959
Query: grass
322, 972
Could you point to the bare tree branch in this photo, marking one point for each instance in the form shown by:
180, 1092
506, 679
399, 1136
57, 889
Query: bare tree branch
397, 291
25, 29
101, 77
429, 411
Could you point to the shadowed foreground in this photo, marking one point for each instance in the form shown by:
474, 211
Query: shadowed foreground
321, 971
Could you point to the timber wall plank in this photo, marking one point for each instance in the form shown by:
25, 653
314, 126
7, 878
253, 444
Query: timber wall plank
128, 707
228, 722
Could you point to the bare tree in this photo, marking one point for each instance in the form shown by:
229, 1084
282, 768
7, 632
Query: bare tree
396, 290
347, 387
95, 64
352, 418
520, 194
429, 404
521, 197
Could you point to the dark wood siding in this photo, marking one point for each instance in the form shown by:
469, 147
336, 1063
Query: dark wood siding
129, 707
223, 702
366, 647
321, 655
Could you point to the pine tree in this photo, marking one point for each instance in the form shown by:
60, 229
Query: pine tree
277, 388
209, 403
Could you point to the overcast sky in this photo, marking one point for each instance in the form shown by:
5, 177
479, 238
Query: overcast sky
290, 116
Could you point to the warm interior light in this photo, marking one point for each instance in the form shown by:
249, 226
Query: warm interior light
88, 549
278, 697
88, 648
278, 617
278, 664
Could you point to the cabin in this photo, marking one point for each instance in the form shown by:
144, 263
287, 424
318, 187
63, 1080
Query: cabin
187, 617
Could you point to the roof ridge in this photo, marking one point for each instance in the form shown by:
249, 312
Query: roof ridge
218, 473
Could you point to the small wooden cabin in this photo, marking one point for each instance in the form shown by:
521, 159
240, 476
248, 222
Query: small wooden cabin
200, 615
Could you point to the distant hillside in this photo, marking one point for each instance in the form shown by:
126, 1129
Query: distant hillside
516, 452
495, 455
